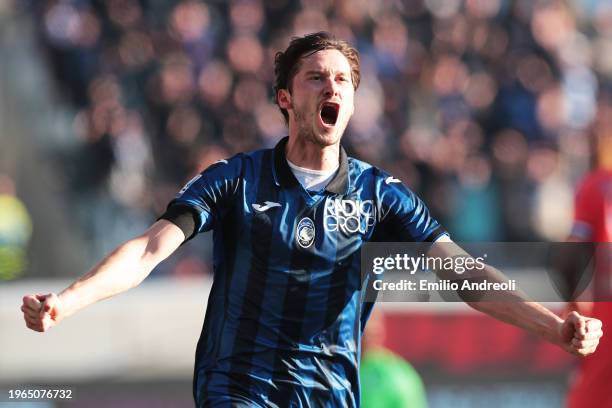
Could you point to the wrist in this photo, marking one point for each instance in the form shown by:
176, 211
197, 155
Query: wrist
553, 329
67, 301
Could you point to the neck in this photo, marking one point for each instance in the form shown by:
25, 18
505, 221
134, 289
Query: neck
312, 156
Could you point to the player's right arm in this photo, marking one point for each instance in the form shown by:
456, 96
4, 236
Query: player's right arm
200, 204
124, 268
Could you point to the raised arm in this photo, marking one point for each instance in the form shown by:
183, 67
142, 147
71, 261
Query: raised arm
124, 268
576, 334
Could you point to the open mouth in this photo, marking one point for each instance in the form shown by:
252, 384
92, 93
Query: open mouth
329, 113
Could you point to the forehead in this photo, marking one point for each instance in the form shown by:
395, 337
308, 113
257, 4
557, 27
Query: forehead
325, 60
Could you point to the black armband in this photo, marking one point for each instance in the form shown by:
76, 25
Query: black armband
437, 233
183, 217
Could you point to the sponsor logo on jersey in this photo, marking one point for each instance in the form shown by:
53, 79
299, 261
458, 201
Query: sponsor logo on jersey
305, 232
349, 216
265, 206
392, 179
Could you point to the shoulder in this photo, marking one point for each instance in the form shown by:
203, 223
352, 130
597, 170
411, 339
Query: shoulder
359, 165
363, 172
236, 164
252, 160
216, 174
256, 155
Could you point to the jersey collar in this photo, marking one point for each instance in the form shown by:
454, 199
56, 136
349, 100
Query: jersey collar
283, 176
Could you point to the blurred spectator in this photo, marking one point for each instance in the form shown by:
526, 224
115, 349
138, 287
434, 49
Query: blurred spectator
387, 380
482, 107
592, 222
15, 231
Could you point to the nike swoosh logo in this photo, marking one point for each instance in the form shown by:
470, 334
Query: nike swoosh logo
392, 179
266, 206
220, 161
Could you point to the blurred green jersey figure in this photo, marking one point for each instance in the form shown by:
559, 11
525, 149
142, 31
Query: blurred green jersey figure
387, 380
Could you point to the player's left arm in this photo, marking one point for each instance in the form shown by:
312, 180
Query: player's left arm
576, 334
405, 217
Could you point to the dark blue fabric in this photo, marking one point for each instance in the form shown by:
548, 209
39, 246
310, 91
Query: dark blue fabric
285, 313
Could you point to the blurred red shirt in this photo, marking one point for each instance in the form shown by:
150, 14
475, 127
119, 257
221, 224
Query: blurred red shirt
593, 223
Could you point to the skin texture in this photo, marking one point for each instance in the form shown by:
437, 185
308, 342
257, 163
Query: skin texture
324, 76
124, 268
576, 334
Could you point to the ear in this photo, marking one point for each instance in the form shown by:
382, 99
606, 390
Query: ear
284, 99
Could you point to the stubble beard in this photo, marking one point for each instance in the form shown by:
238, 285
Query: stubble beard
308, 132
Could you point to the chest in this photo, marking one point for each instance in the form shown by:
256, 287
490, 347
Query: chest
294, 221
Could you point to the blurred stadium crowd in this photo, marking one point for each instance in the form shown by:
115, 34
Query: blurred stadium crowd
491, 110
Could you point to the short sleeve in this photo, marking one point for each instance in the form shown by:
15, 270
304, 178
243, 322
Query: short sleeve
206, 198
404, 217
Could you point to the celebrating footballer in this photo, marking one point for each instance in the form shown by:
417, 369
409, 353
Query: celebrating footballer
286, 311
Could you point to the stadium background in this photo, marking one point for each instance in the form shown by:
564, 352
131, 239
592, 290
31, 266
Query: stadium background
489, 109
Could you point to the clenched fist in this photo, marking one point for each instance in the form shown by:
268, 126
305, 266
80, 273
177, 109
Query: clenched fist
41, 312
579, 334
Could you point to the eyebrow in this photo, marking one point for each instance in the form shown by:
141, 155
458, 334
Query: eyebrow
313, 71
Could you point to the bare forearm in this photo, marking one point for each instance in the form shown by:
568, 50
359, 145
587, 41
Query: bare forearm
527, 315
514, 307
575, 334
119, 271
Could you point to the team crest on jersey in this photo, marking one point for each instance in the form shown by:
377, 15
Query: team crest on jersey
349, 216
305, 232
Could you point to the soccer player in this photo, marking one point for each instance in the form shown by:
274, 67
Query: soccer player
593, 223
286, 311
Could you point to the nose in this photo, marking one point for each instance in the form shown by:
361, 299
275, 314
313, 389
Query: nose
331, 87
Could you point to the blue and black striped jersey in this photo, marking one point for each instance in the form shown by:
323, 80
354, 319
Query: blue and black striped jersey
286, 312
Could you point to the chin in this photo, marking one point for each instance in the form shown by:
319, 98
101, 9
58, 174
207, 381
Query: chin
320, 135
329, 136
325, 139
